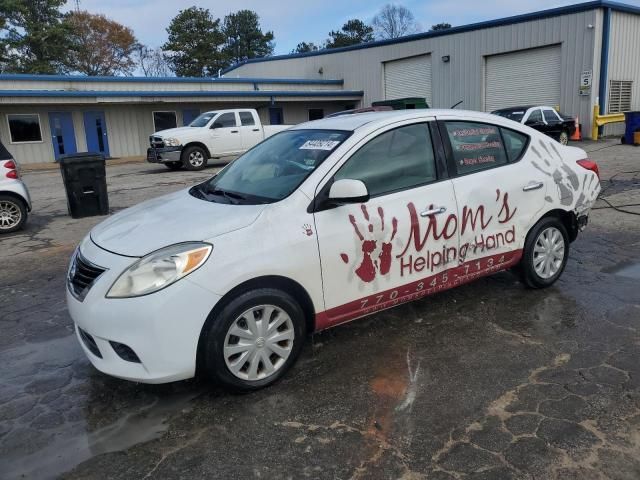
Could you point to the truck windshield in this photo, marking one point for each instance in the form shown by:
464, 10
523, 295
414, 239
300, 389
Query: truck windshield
203, 119
273, 169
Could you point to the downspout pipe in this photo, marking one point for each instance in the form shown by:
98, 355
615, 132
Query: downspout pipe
604, 63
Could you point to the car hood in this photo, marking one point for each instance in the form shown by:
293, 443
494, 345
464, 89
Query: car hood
173, 132
174, 218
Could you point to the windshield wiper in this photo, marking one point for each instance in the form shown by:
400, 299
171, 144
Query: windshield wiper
231, 196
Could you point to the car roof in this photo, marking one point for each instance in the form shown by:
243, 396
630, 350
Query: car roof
372, 119
513, 109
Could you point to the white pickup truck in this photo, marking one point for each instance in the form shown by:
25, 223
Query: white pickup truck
215, 134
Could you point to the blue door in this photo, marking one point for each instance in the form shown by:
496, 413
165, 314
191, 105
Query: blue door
62, 135
275, 116
189, 116
95, 129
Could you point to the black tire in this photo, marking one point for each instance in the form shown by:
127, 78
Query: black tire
10, 208
173, 165
194, 158
529, 275
217, 327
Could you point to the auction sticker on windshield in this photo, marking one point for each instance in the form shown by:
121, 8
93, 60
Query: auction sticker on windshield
319, 145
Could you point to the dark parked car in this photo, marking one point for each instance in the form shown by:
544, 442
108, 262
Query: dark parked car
544, 119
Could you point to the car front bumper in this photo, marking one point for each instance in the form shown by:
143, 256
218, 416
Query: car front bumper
162, 155
162, 328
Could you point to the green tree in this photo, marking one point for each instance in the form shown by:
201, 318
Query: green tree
352, 33
439, 26
194, 46
244, 37
304, 47
34, 36
101, 46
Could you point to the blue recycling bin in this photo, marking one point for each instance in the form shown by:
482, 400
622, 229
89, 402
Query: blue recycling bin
632, 125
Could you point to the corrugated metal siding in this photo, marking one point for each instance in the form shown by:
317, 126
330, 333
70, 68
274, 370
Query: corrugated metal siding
624, 59
527, 77
463, 77
408, 77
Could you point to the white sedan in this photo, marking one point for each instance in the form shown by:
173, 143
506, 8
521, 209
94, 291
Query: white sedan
321, 224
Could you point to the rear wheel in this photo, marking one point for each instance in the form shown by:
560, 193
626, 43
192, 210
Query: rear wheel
254, 339
564, 137
194, 158
173, 165
13, 214
545, 253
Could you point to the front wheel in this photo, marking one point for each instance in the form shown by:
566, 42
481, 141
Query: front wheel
254, 339
564, 137
194, 158
546, 250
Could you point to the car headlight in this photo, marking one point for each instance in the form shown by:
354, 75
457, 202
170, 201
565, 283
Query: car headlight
171, 142
160, 269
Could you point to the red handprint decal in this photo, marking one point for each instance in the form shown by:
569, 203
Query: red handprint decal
370, 265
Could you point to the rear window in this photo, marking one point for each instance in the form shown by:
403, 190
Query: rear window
4, 153
515, 115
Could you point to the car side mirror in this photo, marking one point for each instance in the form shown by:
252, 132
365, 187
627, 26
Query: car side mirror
216, 125
532, 123
348, 191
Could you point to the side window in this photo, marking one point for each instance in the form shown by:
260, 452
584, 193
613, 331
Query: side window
225, 120
550, 116
246, 119
395, 160
535, 116
515, 143
475, 146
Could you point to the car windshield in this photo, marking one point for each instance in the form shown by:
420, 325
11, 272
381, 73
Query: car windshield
203, 119
273, 169
515, 115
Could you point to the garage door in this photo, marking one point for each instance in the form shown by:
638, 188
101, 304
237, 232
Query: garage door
526, 77
408, 77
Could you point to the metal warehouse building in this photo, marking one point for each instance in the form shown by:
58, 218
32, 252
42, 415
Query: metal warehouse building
573, 57
45, 116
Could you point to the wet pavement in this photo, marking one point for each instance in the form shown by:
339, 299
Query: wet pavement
487, 381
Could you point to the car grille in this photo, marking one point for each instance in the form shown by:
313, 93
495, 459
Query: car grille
82, 275
156, 142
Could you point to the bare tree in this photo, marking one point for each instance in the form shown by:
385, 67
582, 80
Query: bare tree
153, 62
394, 21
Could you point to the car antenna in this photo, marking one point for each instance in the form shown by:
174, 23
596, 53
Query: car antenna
457, 104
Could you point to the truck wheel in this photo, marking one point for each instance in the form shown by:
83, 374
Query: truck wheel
546, 250
194, 158
13, 214
173, 165
254, 339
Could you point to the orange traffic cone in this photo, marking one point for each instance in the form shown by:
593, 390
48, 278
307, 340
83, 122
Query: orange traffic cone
576, 132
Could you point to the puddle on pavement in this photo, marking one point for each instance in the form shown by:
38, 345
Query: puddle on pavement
625, 269
80, 437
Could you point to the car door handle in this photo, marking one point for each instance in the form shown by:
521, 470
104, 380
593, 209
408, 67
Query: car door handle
256, 130
234, 131
532, 186
433, 211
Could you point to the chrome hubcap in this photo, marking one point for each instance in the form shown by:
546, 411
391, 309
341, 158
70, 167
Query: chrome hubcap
564, 138
548, 252
10, 215
259, 342
196, 158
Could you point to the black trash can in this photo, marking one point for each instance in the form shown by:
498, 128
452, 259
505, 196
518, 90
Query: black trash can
85, 181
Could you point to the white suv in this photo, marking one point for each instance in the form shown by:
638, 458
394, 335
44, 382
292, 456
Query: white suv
321, 224
15, 202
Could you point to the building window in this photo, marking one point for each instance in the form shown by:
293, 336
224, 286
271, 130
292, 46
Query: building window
619, 95
164, 120
316, 113
24, 128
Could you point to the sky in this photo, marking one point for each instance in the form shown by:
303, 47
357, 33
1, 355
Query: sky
293, 21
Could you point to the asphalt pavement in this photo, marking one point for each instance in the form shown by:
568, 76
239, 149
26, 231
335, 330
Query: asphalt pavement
487, 381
